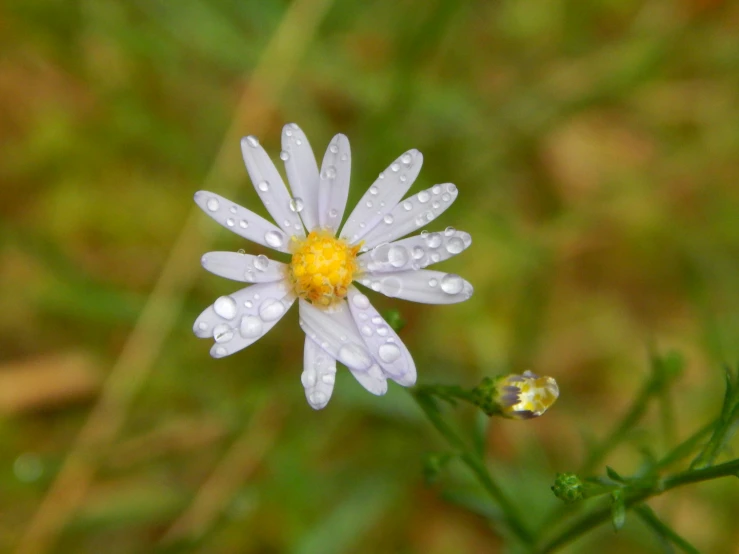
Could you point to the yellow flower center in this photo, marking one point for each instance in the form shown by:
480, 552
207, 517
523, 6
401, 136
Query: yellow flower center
535, 394
322, 267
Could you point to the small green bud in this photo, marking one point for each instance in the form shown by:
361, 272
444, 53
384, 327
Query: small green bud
516, 396
568, 487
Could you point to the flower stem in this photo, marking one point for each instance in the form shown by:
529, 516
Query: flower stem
476, 464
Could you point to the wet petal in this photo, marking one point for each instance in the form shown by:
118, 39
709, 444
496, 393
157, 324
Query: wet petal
241, 221
270, 187
415, 252
333, 186
244, 267
411, 214
335, 332
382, 341
373, 379
382, 196
424, 286
319, 374
242, 318
302, 174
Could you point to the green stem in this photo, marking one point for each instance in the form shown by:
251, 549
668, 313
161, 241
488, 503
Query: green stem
663, 530
475, 463
633, 497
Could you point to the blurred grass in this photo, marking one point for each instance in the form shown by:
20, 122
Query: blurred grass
595, 150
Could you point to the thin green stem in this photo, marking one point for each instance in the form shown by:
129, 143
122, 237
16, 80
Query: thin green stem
476, 464
663, 530
634, 497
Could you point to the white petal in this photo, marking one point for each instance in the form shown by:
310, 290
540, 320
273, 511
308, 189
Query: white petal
333, 186
373, 379
411, 214
383, 195
334, 331
302, 173
424, 285
415, 252
244, 267
241, 221
319, 375
270, 187
383, 343
238, 320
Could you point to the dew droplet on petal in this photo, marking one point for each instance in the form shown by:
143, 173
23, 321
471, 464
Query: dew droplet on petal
389, 353
395, 168
243, 223
263, 186
250, 327
423, 197
261, 262
382, 330
361, 301
354, 356
271, 309
392, 286
222, 333
452, 284
368, 203
328, 379
417, 253
284, 155
433, 282
273, 239
252, 141
230, 222
407, 206
403, 178
445, 197
433, 240
449, 231
436, 189
333, 213
234, 209
451, 188
334, 149
373, 190
388, 219
455, 245
406, 159
221, 352
366, 330
377, 320
296, 205
329, 172
397, 256
308, 378
212, 204
225, 307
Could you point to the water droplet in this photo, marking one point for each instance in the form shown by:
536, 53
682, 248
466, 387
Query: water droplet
455, 245
243, 223
389, 353
221, 352
423, 197
225, 306
249, 276
449, 231
373, 190
452, 284
328, 379
284, 155
212, 204
363, 316
252, 141
248, 304
362, 225
329, 172
436, 189
298, 142
429, 216
222, 333
250, 327
361, 301
286, 223
383, 330
375, 286
435, 257
273, 239
466, 238
397, 256
261, 262
368, 203
202, 325
420, 220
435, 205
406, 159
308, 378
296, 205
451, 188
334, 149
395, 168
377, 320
433, 282
392, 286
366, 330
403, 178
344, 157
288, 133
263, 186
230, 222
407, 206
234, 209
417, 252
354, 356
433, 240
388, 219
445, 197
333, 213
271, 309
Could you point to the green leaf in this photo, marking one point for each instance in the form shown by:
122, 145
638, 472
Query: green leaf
614, 476
618, 510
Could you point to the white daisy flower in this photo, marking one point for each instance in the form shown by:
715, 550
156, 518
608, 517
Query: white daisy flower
339, 322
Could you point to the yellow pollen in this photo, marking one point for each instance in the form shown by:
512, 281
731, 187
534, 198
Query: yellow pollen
322, 267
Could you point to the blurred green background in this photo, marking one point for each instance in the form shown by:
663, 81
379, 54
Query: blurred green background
595, 147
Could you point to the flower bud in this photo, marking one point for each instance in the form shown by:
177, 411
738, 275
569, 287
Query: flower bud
568, 487
516, 396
